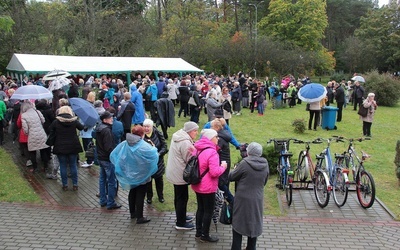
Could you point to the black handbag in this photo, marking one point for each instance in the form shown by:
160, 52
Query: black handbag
226, 214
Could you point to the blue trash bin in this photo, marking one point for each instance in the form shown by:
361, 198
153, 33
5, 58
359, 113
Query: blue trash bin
278, 101
329, 117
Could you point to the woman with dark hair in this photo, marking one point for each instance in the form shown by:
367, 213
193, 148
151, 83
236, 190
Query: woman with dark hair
135, 162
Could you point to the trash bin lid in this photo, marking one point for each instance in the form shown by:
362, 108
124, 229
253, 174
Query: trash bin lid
330, 108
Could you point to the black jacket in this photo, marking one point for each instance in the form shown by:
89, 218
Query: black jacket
224, 154
339, 95
47, 113
104, 141
126, 113
157, 139
66, 139
184, 93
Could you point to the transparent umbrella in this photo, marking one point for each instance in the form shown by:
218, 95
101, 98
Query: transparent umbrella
55, 74
59, 83
28, 92
358, 79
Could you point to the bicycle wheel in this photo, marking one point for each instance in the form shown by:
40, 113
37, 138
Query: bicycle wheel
340, 189
289, 194
289, 185
302, 167
365, 187
321, 190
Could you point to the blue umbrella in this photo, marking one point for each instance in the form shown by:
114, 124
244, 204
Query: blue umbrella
85, 111
312, 92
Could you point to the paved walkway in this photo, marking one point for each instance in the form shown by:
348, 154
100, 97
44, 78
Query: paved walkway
74, 220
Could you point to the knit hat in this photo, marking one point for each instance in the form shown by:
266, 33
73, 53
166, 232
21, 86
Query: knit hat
254, 149
218, 113
190, 126
209, 133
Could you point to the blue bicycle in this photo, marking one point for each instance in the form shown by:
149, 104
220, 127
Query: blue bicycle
331, 176
285, 172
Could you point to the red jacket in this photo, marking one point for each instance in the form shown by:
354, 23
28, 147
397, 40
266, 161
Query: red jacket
23, 138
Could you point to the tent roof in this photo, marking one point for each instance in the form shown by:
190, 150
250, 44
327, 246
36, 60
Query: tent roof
41, 64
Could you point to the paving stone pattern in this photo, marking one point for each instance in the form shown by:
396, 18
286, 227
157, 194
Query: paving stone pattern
74, 220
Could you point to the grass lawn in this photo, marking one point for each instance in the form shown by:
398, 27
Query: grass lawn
274, 124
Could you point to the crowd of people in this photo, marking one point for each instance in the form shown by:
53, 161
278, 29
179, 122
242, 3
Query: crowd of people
130, 149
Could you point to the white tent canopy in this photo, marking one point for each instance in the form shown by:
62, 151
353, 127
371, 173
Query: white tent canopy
25, 64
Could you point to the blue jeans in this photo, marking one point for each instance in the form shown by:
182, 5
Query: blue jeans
107, 177
70, 160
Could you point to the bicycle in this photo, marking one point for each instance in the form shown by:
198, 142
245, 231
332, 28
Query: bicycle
365, 184
305, 167
331, 177
285, 172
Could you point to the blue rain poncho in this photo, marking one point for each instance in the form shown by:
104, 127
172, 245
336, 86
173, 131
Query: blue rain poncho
134, 165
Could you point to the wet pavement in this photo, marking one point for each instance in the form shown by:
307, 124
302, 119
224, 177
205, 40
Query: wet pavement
74, 220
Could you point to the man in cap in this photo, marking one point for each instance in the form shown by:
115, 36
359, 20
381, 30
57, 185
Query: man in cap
179, 154
105, 145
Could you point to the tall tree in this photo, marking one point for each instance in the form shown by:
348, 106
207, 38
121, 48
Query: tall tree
300, 22
380, 30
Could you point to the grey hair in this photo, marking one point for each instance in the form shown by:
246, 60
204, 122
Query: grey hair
25, 106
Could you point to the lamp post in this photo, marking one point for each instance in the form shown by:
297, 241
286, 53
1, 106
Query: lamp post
255, 40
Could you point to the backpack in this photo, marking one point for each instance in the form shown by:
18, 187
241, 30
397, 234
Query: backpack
191, 173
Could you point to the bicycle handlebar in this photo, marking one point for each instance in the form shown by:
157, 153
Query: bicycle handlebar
342, 139
281, 139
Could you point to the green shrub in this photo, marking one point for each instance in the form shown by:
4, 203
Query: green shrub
384, 86
339, 76
299, 126
272, 156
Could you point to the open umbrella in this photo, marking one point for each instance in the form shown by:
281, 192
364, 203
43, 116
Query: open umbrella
55, 73
358, 78
59, 83
31, 92
312, 92
84, 110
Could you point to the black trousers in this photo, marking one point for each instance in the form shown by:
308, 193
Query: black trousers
340, 111
136, 201
159, 188
357, 102
181, 198
185, 108
237, 242
367, 128
205, 208
194, 114
314, 114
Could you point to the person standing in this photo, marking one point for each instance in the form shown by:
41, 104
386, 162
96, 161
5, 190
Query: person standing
135, 161
3, 110
358, 94
153, 92
340, 99
250, 175
315, 110
237, 98
32, 124
179, 154
155, 138
371, 105
66, 144
329, 93
105, 145
183, 98
205, 191
126, 113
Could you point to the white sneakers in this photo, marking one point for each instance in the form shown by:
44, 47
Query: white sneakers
86, 165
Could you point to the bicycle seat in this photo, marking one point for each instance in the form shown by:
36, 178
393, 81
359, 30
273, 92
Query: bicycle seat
287, 154
319, 157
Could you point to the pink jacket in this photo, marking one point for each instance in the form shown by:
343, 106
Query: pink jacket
208, 159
